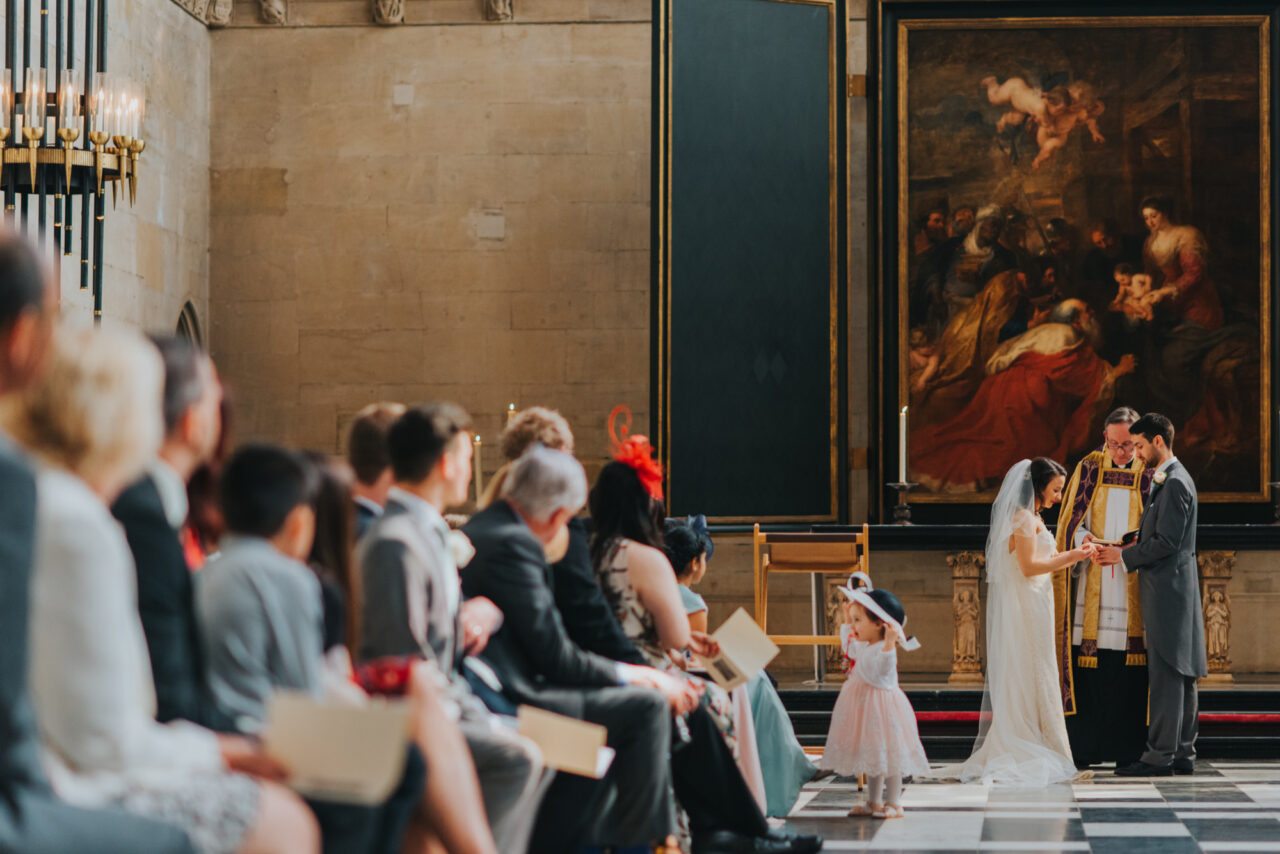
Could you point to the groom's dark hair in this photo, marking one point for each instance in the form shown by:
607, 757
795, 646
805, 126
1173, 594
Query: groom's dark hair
1151, 425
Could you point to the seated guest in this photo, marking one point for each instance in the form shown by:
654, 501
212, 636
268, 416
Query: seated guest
413, 604
540, 665
452, 804
152, 512
626, 551
261, 627
783, 762
588, 616
94, 422
204, 525
332, 556
32, 819
367, 455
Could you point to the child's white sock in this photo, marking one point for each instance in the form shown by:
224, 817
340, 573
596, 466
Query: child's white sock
893, 790
874, 787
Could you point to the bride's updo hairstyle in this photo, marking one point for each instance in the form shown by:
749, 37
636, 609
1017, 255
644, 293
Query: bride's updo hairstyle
1043, 471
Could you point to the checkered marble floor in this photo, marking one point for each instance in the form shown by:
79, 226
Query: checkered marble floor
1225, 807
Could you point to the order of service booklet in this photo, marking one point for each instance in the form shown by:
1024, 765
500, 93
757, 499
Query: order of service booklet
745, 650
351, 754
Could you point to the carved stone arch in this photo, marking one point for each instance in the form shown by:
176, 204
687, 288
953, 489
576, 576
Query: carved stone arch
189, 325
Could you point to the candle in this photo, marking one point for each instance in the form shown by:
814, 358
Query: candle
477, 466
902, 445
511, 412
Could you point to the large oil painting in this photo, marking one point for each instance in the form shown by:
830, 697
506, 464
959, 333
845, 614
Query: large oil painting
1083, 223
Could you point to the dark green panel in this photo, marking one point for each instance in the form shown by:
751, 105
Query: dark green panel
750, 409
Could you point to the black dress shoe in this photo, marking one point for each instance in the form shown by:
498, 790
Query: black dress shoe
1142, 769
728, 842
801, 843
1184, 766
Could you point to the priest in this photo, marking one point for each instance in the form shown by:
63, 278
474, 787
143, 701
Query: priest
1102, 660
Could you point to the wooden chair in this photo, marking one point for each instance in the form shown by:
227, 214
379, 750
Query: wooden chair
805, 554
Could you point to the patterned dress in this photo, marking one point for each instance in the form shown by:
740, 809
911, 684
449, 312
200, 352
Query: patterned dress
638, 624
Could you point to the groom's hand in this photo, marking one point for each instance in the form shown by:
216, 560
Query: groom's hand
1107, 556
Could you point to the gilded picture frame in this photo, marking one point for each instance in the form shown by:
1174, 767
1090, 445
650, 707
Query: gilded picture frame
1074, 213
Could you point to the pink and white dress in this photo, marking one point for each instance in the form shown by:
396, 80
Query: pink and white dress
873, 727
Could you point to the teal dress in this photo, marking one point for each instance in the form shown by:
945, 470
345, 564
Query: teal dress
783, 762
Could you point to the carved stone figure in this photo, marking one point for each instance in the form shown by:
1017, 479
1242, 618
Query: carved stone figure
498, 10
1217, 622
218, 13
966, 659
966, 651
1215, 574
388, 12
273, 11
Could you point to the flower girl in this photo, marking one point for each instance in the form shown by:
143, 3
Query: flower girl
873, 727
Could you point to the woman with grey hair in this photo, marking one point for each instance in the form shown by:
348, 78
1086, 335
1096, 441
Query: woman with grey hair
93, 423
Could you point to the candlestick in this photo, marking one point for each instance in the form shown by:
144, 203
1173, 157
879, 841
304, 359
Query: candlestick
902, 510
902, 445
511, 412
477, 466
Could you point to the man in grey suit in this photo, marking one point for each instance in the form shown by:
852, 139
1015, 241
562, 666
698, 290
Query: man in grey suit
413, 606
1165, 555
32, 819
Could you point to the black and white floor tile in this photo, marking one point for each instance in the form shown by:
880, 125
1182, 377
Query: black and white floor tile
1224, 807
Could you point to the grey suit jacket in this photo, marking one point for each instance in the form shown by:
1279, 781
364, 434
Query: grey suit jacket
406, 610
19, 745
1165, 557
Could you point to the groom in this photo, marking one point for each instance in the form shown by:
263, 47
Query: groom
1165, 555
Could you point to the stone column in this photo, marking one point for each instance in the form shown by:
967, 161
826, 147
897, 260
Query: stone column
1215, 574
966, 660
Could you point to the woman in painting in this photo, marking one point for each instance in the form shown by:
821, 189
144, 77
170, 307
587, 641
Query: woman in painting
1176, 257
1184, 354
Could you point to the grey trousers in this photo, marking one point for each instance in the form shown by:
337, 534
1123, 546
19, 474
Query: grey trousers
512, 778
1175, 710
37, 823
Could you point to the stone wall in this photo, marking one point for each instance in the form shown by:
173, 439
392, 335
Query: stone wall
432, 212
156, 254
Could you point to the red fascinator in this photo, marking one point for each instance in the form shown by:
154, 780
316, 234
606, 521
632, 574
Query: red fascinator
635, 451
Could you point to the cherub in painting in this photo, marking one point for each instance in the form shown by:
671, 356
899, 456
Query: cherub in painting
1053, 113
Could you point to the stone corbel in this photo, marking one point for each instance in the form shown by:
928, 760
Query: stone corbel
966, 659
388, 12
498, 10
274, 12
1215, 574
218, 13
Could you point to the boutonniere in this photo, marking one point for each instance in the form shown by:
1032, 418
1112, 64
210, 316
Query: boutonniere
1160, 477
461, 549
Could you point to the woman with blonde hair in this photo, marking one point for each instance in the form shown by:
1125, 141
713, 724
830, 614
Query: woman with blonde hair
93, 423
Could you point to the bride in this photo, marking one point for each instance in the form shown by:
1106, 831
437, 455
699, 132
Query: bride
1022, 737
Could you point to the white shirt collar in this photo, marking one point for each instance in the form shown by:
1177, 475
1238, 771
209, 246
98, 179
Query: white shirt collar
173, 492
422, 509
1164, 465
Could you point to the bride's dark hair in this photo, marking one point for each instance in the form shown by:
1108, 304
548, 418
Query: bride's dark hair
1043, 471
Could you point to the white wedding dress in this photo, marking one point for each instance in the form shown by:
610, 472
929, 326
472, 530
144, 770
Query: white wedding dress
1022, 735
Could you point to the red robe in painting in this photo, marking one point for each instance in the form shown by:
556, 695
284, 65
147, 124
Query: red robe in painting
1038, 400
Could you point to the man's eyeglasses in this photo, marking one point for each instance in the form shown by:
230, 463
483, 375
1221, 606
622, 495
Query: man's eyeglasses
1119, 446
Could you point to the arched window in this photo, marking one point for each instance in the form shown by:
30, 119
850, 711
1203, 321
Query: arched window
189, 325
